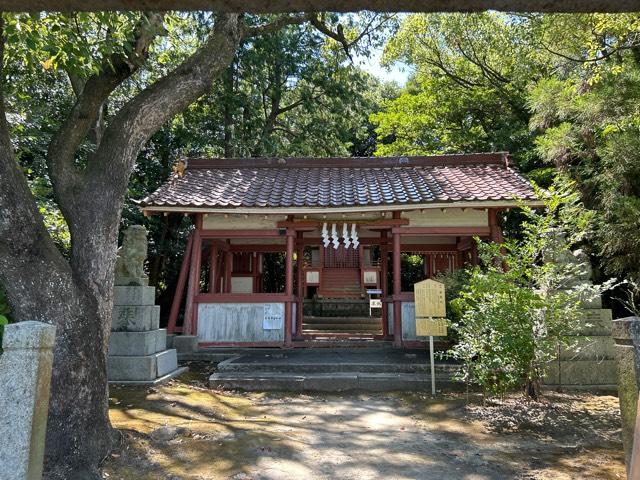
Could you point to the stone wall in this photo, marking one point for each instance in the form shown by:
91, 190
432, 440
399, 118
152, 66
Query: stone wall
25, 377
592, 364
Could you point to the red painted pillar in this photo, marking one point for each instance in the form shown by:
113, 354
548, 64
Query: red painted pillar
288, 306
474, 253
397, 285
301, 287
182, 281
190, 312
228, 266
213, 267
495, 231
383, 281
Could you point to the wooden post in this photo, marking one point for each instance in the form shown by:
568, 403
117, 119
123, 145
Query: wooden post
228, 266
218, 279
213, 267
383, 281
299, 263
494, 227
188, 326
474, 253
288, 309
397, 288
182, 280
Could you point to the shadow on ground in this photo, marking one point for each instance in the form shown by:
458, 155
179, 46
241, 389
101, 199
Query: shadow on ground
186, 431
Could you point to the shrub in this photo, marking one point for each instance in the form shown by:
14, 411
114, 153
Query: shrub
517, 310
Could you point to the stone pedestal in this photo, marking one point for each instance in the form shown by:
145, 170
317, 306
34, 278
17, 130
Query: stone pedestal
626, 334
138, 351
592, 364
25, 377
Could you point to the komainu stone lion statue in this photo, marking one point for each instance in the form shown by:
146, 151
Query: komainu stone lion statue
131, 257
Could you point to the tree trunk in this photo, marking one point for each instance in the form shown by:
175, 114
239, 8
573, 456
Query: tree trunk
228, 81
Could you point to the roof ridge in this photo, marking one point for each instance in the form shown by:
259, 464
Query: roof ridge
496, 158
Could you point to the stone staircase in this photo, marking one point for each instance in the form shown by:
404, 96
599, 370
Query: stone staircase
348, 325
332, 370
340, 283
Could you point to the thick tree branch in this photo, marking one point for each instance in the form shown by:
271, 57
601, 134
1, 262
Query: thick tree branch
22, 230
91, 96
338, 35
143, 115
276, 25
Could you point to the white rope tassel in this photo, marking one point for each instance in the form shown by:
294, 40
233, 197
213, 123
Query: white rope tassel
325, 235
345, 235
354, 236
334, 235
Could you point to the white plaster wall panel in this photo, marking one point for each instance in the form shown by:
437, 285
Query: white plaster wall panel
234, 322
239, 222
408, 240
450, 217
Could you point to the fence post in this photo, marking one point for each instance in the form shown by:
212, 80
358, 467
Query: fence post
25, 378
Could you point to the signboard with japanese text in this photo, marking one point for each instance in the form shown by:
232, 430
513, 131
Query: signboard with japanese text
431, 327
429, 299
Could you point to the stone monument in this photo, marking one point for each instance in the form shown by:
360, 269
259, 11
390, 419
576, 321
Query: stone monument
592, 363
138, 351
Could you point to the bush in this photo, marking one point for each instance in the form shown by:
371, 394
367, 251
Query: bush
517, 310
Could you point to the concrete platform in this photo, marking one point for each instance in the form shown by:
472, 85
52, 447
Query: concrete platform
332, 371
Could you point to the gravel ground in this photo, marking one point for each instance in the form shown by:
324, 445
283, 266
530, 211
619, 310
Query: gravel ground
186, 431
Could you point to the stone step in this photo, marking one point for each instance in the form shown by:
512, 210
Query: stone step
310, 320
299, 366
320, 328
323, 382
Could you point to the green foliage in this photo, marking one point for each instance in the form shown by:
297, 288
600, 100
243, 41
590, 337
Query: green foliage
519, 305
468, 92
454, 283
587, 114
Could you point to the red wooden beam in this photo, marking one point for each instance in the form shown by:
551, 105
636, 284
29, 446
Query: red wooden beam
427, 247
258, 248
241, 233
479, 231
243, 298
307, 225
182, 280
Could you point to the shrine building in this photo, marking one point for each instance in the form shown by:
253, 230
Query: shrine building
292, 251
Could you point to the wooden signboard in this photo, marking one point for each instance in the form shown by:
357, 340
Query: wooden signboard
429, 298
431, 327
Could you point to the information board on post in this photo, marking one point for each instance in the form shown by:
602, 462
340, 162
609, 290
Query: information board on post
429, 299
431, 310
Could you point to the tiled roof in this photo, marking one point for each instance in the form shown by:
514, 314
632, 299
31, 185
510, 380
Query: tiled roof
340, 182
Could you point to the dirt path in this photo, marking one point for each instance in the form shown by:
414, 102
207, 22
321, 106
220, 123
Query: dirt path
185, 431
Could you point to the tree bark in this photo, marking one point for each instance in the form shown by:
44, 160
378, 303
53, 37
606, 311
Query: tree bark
77, 296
